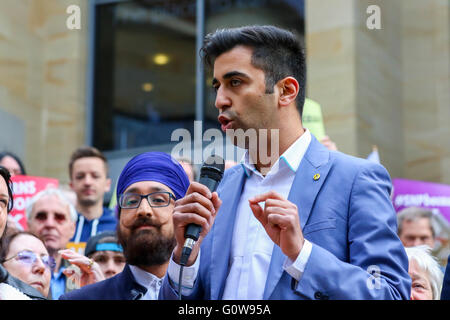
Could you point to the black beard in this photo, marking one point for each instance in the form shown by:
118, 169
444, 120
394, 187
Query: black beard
146, 247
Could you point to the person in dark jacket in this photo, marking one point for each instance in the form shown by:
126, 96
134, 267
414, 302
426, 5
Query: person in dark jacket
147, 189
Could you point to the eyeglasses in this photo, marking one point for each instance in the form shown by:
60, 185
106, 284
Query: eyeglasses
155, 200
29, 257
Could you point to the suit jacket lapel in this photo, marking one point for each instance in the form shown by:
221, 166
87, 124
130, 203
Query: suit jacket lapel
222, 236
303, 193
310, 176
129, 288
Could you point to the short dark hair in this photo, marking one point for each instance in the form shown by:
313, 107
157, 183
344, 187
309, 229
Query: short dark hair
276, 51
16, 158
86, 152
7, 176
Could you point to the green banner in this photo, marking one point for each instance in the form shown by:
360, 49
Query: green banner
312, 118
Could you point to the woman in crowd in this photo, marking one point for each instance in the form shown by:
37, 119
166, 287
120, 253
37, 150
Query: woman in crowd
25, 257
425, 273
15, 167
12, 162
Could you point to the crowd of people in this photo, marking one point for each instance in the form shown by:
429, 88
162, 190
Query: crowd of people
310, 226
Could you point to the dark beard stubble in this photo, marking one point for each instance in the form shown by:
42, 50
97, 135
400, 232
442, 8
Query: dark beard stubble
147, 247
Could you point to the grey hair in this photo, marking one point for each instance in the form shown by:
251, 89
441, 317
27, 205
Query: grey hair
414, 213
428, 263
49, 192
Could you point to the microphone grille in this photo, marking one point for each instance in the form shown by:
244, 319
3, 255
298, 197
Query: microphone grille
215, 163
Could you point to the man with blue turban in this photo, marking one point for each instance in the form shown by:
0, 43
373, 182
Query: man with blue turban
147, 189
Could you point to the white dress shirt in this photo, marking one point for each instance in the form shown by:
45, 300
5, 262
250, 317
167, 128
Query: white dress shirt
251, 248
149, 281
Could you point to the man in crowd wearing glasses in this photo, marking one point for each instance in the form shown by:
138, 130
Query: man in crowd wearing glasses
147, 189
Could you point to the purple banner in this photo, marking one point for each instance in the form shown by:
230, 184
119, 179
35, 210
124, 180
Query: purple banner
411, 193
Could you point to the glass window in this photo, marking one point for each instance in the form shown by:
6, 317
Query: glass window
144, 72
145, 65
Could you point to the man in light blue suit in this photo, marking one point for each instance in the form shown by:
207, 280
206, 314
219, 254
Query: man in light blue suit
309, 224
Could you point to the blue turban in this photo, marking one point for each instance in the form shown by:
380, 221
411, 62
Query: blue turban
154, 166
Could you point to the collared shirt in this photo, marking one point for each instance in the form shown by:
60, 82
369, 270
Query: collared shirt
148, 280
251, 248
58, 283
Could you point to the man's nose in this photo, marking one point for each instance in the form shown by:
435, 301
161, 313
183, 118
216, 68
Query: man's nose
87, 179
50, 221
222, 100
111, 267
144, 208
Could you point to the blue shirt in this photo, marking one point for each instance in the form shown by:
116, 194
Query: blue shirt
58, 283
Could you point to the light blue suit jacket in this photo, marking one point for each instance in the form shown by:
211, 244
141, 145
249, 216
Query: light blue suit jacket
346, 214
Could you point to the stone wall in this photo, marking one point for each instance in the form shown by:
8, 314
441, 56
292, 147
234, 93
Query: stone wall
42, 81
330, 51
387, 87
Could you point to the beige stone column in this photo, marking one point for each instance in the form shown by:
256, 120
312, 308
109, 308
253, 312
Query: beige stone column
42, 79
380, 70
426, 89
330, 53
387, 87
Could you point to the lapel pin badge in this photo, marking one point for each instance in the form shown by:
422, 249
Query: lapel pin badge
316, 177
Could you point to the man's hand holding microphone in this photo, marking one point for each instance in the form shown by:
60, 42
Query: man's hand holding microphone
200, 207
194, 214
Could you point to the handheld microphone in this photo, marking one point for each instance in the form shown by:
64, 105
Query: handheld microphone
210, 175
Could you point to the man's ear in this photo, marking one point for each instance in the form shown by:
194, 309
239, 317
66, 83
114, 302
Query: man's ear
288, 88
108, 185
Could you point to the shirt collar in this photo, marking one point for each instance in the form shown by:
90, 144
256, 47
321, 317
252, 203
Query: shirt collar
144, 278
59, 273
291, 157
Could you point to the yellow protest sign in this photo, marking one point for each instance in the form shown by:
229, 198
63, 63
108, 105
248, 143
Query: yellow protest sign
312, 118
77, 247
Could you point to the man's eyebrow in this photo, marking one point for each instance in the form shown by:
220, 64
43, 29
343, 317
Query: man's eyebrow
40, 212
4, 197
153, 189
229, 75
233, 74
